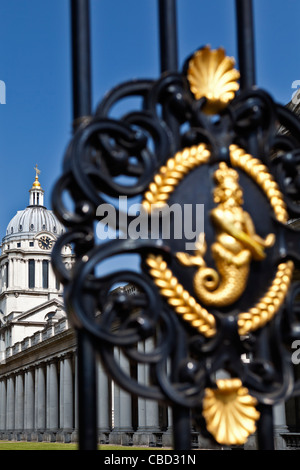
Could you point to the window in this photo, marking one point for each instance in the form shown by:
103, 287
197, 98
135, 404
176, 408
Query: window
31, 273
45, 274
31, 243
19, 245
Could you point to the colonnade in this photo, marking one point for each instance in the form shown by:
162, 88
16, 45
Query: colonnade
38, 402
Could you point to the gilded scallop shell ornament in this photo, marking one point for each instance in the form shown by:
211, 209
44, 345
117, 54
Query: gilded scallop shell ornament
230, 412
211, 74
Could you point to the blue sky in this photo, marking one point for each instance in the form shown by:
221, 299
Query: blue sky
35, 122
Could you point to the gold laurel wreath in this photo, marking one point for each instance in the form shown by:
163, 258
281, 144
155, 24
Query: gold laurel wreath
270, 303
183, 303
172, 173
164, 183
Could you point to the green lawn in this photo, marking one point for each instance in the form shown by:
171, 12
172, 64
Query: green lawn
13, 445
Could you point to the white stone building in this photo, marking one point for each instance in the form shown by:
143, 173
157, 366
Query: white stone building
29, 292
38, 347
38, 373
31, 315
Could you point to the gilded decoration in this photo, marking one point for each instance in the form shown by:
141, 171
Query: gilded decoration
209, 290
236, 244
230, 412
211, 75
185, 305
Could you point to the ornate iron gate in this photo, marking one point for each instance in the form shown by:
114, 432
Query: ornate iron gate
203, 135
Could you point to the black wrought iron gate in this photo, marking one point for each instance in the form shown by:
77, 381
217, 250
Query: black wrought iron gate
203, 135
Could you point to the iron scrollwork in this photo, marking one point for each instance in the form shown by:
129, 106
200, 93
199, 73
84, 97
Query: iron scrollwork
234, 295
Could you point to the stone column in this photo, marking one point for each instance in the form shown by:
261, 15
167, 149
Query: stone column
280, 426
148, 420
38, 273
122, 431
125, 400
76, 394
29, 402
26, 277
52, 278
53, 398
61, 394
19, 404
104, 404
10, 403
14, 267
10, 272
23, 273
167, 438
2, 405
17, 272
67, 397
40, 403
48, 395
140, 437
2, 347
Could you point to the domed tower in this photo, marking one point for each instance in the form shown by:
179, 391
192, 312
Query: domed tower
29, 290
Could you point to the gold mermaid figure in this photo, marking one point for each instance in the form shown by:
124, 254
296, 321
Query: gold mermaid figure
236, 244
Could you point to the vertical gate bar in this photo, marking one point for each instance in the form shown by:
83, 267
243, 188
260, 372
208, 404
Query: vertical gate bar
265, 425
169, 50
81, 66
246, 48
169, 63
246, 54
81, 78
86, 386
265, 436
168, 35
180, 414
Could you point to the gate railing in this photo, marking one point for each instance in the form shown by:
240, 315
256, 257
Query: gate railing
204, 135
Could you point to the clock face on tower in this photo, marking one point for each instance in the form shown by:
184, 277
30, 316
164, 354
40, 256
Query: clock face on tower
45, 242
